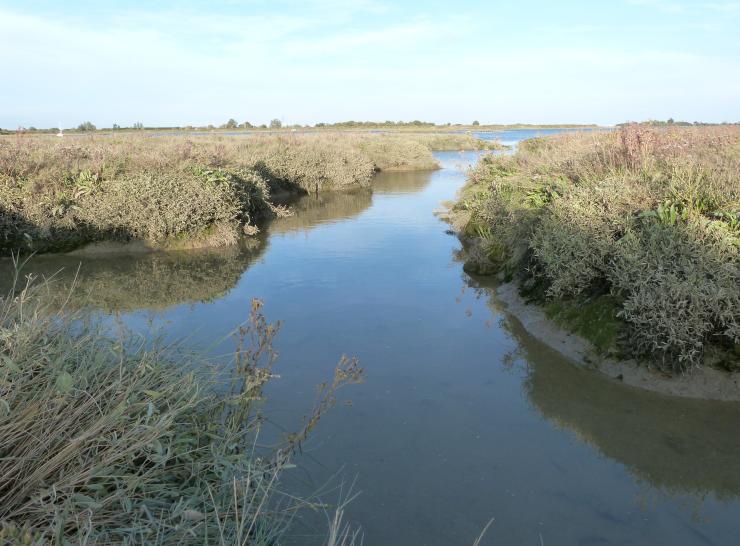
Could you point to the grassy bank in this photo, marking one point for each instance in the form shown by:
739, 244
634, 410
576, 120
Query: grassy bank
113, 441
637, 229
179, 192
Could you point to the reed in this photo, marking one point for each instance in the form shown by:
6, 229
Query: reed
111, 439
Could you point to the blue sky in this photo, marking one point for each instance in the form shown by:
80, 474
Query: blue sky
193, 62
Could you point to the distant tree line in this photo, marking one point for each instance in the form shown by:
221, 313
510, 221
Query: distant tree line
351, 124
233, 124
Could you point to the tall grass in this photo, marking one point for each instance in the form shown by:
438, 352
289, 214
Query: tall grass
110, 440
650, 217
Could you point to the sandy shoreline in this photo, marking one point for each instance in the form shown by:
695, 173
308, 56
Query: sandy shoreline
701, 383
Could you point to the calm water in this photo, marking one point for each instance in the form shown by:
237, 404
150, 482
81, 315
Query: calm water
462, 417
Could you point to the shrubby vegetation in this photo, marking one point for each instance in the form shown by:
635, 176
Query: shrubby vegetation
671, 121
456, 142
648, 218
56, 194
396, 153
110, 440
86, 127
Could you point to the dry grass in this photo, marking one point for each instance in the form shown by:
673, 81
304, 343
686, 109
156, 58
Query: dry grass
651, 216
112, 441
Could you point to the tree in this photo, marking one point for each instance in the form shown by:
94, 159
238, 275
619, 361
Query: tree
476, 122
276, 124
246, 125
231, 124
138, 125
116, 126
86, 126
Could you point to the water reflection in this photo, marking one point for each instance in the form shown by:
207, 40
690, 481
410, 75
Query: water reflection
155, 281
399, 183
677, 445
127, 282
311, 210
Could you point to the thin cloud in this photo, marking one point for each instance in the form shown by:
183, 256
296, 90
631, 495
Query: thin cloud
371, 61
669, 6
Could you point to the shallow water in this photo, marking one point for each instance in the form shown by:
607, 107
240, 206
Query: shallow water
514, 136
463, 417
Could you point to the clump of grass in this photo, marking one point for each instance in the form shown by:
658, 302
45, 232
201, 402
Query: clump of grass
111, 440
647, 215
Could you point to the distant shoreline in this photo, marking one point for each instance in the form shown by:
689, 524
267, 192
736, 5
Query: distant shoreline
313, 128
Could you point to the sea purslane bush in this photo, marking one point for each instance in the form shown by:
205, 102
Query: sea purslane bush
650, 216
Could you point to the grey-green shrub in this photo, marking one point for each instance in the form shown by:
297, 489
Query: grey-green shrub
56, 194
681, 287
150, 205
649, 215
311, 164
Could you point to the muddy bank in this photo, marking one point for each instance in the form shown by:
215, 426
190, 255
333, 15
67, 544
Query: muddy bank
701, 383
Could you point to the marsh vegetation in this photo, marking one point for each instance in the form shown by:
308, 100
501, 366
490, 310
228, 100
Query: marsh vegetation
456, 392
119, 439
178, 192
631, 237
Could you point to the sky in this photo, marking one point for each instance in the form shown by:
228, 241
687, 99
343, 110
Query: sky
202, 62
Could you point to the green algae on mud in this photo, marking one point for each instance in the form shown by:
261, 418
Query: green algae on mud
595, 319
677, 445
576, 341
